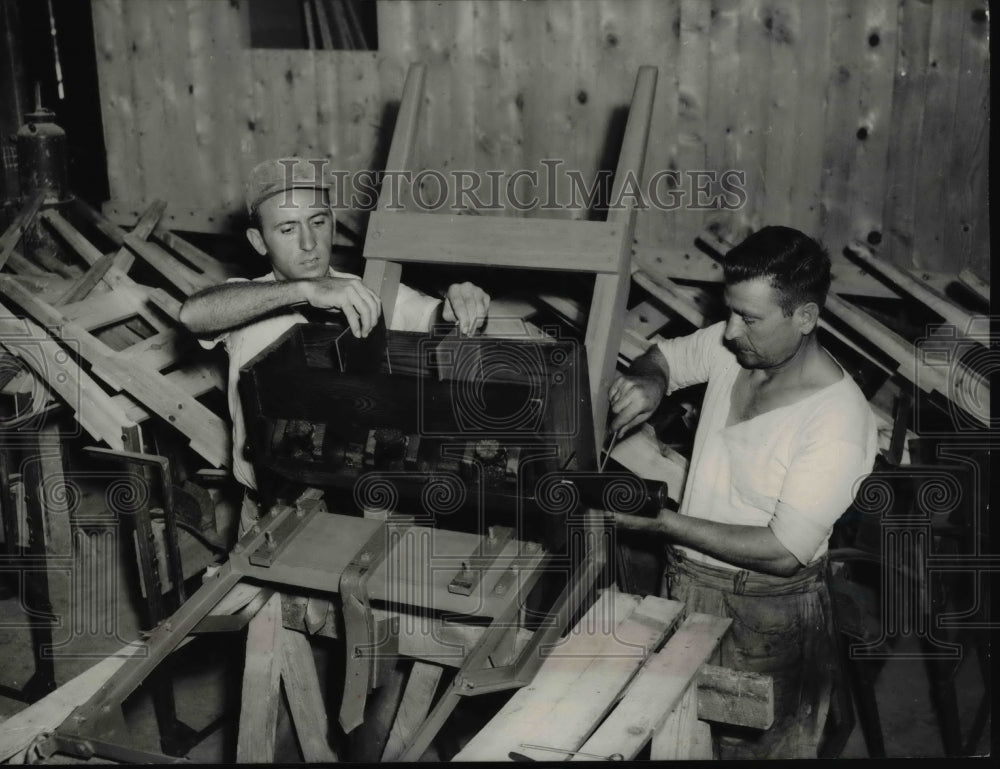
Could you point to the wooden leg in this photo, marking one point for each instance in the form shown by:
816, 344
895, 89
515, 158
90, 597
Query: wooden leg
261, 686
683, 736
369, 739
305, 701
413, 709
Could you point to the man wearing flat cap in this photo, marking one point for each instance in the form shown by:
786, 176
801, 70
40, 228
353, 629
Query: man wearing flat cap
292, 224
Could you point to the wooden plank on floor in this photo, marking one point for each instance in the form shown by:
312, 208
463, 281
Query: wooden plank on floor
261, 693
658, 688
579, 680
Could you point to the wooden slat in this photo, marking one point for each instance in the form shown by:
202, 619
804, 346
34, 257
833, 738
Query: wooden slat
261, 695
869, 169
98, 414
813, 63
87, 251
382, 276
658, 688
606, 319
497, 241
118, 117
194, 380
752, 119
782, 22
158, 351
960, 319
100, 310
305, 701
965, 217
669, 293
683, 737
934, 159
722, 101
208, 434
94, 275
413, 708
903, 185
579, 681
22, 221
977, 284
178, 274
843, 84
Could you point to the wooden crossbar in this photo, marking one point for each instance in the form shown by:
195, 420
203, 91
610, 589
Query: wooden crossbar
499, 241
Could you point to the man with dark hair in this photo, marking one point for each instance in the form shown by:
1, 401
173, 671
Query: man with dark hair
784, 438
292, 224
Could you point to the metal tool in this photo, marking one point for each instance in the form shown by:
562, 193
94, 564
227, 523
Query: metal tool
612, 757
607, 451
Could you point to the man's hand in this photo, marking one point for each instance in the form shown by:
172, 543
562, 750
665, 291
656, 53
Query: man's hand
467, 305
634, 399
360, 305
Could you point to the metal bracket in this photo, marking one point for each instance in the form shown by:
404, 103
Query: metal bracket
485, 556
359, 624
89, 747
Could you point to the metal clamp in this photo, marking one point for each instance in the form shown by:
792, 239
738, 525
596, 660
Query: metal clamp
359, 624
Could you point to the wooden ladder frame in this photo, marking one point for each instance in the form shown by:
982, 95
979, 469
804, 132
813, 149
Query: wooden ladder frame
603, 248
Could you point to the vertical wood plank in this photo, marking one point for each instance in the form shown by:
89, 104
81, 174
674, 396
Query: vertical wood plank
489, 110
515, 69
814, 57
966, 221
413, 708
938, 140
305, 701
261, 693
117, 107
914, 22
304, 105
782, 23
661, 25
694, 42
843, 84
683, 737
867, 185
582, 153
721, 146
753, 113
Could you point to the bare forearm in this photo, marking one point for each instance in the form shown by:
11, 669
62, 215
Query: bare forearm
752, 547
651, 364
229, 305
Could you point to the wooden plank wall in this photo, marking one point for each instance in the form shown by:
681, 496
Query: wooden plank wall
850, 118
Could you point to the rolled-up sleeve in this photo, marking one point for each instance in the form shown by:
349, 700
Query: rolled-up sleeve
820, 482
692, 358
413, 310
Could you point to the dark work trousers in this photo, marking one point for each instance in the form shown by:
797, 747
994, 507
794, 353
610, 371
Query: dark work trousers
782, 627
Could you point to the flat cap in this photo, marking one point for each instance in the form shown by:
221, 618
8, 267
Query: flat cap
273, 176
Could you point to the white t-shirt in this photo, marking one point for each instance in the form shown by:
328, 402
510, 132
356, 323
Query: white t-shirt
413, 312
795, 468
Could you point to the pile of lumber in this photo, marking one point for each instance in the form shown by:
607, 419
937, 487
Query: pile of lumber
103, 344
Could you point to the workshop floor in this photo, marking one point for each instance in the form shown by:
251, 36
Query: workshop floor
207, 673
